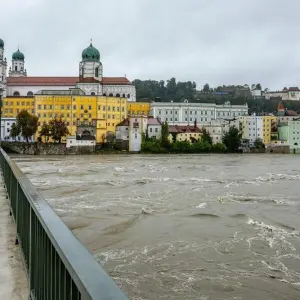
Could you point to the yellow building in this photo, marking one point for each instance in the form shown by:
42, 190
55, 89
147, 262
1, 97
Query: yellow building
268, 122
138, 108
78, 109
14, 104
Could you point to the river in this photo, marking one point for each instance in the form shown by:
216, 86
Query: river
184, 226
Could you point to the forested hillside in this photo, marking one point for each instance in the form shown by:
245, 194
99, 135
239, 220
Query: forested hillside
172, 90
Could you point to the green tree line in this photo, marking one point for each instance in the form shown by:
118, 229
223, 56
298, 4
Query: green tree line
177, 91
231, 143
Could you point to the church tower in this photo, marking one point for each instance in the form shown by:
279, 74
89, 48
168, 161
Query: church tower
17, 68
3, 66
90, 66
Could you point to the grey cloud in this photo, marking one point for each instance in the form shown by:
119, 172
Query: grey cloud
217, 41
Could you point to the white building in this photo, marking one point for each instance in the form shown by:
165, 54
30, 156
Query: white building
253, 128
185, 113
218, 128
292, 94
6, 124
90, 78
77, 141
3, 66
154, 128
129, 131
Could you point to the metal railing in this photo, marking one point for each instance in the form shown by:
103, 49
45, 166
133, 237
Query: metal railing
58, 266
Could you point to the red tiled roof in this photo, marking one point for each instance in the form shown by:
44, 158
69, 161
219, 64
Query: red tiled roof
291, 113
124, 123
61, 81
293, 89
280, 106
154, 121
183, 129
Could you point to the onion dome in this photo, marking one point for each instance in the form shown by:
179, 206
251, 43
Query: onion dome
90, 54
18, 55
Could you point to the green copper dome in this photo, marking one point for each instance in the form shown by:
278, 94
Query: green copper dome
1, 44
90, 54
18, 55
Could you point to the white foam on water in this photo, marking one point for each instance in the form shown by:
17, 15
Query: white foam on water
202, 205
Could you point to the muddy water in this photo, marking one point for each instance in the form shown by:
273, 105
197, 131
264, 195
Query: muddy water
183, 227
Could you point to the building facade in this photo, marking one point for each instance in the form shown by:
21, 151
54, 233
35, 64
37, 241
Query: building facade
138, 108
6, 124
289, 133
185, 113
90, 78
77, 109
292, 94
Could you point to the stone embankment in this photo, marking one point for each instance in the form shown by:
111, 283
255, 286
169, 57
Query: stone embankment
45, 149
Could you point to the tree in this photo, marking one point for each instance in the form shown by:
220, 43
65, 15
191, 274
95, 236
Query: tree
14, 131
45, 132
58, 129
259, 144
206, 88
27, 124
232, 139
165, 135
206, 137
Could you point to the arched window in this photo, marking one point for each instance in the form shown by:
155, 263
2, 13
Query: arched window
128, 95
30, 93
110, 95
123, 96
16, 93
118, 95
104, 95
16, 68
93, 94
97, 72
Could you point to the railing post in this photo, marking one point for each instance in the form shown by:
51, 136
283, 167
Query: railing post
17, 213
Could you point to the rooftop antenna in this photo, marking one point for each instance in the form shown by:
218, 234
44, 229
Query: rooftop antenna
91, 41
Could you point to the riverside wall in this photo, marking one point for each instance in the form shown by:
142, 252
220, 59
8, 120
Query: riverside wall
45, 149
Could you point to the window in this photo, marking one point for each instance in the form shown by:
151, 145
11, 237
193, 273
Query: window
159, 112
122, 109
45, 106
81, 106
103, 116
108, 108
74, 107
156, 129
18, 103
68, 106
104, 107
118, 95
186, 112
175, 112
62, 107
150, 129
108, 116
30, 93
113, 116
39, 106
90, 107
90, 115
191, 112
128, 95
113, 108
16, 93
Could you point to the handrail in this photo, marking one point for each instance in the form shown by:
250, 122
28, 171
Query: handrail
57, 264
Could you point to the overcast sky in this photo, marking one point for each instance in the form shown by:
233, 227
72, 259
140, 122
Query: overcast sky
214, 41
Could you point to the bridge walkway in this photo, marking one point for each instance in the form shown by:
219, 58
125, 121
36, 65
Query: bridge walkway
13, 281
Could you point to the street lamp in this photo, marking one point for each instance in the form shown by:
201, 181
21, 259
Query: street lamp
1, 104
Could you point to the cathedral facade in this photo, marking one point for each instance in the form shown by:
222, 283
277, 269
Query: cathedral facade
90, 78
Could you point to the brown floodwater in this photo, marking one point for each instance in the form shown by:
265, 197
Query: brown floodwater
182, 226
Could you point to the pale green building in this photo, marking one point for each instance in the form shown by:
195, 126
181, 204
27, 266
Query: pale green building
290, 132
